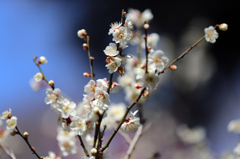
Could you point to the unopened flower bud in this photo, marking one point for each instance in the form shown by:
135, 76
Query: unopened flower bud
223, 26
146, 26
138, 85
149, 49
82, 33
92, 58
173, 67
13, 133
25, 134
85, 46
124, 13
42, 60
86, 74
96, 110
146, 94
93, 151
51, 83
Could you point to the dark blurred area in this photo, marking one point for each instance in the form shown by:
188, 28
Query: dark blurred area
49, 28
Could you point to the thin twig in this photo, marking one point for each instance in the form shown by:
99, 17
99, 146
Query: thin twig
134, 142
110, 83
146, 49
139, 133
8, 152
29, 145
96, 133
90, 58
183, 54
44, 77
83, 146
123, 119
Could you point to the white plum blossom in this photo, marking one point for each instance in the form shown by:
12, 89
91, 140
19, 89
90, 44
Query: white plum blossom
191, 136
210, 34
114, 26
42, 60
131, 124
11, 123
90, 88
78, 124
124, 59
129, 23
121, 35
139, 18
116, 111
89, 139
157, 60
234, 126
38, 77
67, 108
67, 142
236, 150
54, 98
111, 50
102, 83
113, 64
152, 40
7, 114
101, 99
82, 33
115, 87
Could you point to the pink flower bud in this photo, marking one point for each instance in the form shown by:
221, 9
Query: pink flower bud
173, 67
85, 46
86, 74
138, 85
82, 33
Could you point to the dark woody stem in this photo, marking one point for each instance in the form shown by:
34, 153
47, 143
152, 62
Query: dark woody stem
90, 58
146, 50
123, 119
29, 145
83, 146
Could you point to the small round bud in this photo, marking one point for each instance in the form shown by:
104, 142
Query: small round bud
86, 74
51, 83
82, 33
223, 26
25, 134
173, 67
42, 60
124, 13
92, 58
13, 133
93, 151
85, 46
96, 110
138, 85
149, 49
146, 94
146, 26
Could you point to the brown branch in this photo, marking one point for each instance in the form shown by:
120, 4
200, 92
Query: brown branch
183, 54
146, 49
110, 83
29, 145
90, 58
123, 119
83, 146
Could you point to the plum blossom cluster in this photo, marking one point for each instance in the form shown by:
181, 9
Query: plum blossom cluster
138, 77
11, 120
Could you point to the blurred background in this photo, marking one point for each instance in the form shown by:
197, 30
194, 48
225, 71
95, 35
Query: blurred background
204, 91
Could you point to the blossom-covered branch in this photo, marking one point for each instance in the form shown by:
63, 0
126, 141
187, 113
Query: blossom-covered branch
123, 119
